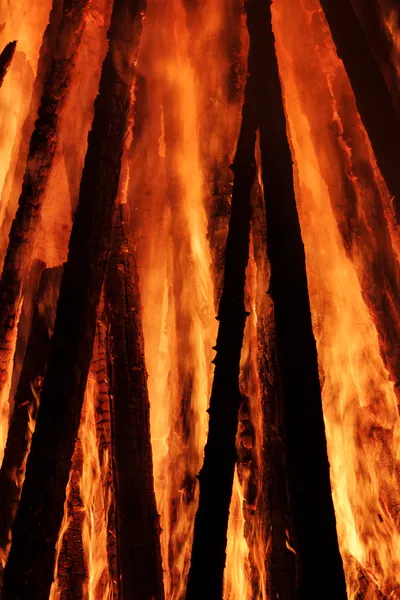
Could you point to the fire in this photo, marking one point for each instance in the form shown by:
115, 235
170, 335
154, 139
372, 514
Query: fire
189, 89
360, 405
86, 520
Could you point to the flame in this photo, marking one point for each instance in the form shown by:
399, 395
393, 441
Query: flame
360, 406
177, 149
95, 496
27, 26
390, 17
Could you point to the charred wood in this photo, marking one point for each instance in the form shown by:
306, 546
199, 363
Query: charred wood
372, 96
15, 173
30, 567
138, 528
29, 293
307, 461
280, 558
370, 15
5, 60
216, 476
40, 157
99, 369
71, 568
26, 401
344, 162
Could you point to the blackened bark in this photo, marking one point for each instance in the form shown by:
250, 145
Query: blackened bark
280, 558
15, 173
371, 17
373, 99
71, 568
40, 158
5, 60
12, 471
307, 460
30, 567
138, 528
99, 369
29, 294
216, 476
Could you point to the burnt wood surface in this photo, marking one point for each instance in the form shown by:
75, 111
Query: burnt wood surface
138, 528
40, 158
307, 461
216, 476
15, 173
5, 59
30, 567
373, 99
29, 294
12, 471
281, 562
370, 15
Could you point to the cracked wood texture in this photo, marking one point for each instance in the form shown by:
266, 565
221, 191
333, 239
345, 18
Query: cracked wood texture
370, 15
30, 567
72, 567
26, 399
15, 173
138, 528
40, 158
373, 99
307, 460
5, 60
216, 476
355, 197
281, 563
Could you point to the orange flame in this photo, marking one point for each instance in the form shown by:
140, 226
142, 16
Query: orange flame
360, 406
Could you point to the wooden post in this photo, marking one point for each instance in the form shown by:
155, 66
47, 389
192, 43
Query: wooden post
307, 460
40, 158
216, 476
138, 528
30, 567
5, 60
373, 99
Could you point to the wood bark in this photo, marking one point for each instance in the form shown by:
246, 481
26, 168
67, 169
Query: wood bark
280, 560
30, 567
72, 568
138, 528
307, 460
99, 369
370, 15
345, 166
40, 158
29, 294
15, 173
12, 471
5, 59
373, 99
216, 476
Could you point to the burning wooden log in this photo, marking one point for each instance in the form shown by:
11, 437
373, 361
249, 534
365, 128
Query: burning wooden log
307, 460
12, 471
371, 16
29, 294
41, 154
138, 529
14, 177
5, 60
30, 567
372, 96
280, 557
82, 547
216, 476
